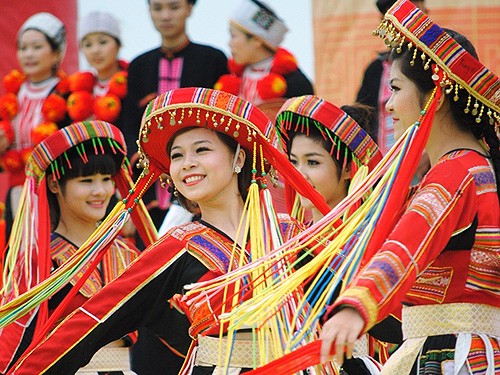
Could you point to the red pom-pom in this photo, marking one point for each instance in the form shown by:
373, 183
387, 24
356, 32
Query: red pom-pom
235, 68
81, 81
271, 86
123, 64
80, 105
118, 84
54, 108
6, 129
11, 161
229, 83
13, 81
107, 107
25, 154
284, 62
42, 131
62, 86
8, 106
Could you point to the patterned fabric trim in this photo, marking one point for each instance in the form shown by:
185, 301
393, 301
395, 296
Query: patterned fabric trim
485, 261
432, 284
206, 245
431, 203
114, 262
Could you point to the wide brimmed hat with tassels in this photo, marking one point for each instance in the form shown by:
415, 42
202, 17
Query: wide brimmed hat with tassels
404, 23
220, 111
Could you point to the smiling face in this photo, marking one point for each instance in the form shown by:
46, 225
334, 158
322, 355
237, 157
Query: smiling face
84, 198
101, 52
35, 55
318, 167
405, 103
170, 16
202, 167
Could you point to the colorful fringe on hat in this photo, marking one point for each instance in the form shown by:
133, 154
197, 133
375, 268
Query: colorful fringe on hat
332, 122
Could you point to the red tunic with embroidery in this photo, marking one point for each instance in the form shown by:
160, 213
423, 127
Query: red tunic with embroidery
141, 297
444, 249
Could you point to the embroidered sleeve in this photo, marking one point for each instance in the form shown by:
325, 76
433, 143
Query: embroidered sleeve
445, 201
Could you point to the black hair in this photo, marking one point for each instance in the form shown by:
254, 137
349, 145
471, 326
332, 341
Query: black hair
100, 163
244, 177
466, 120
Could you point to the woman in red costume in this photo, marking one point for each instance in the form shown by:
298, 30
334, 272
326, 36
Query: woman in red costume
71, 177
33, 105
441, 259
98, 94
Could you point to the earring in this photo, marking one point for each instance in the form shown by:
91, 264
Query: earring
237, 169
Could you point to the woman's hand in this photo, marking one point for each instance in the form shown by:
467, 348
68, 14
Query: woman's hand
341, 330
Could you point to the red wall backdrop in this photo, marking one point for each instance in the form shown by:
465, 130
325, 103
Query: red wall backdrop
14, 13
344, 44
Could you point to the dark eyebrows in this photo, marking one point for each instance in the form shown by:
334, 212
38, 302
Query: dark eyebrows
196, 143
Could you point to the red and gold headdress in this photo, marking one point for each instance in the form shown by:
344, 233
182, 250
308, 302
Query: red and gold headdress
334, 123
220, 111
404, 23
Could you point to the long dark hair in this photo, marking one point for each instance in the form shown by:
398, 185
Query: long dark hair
244, 177
466, 120
100, 163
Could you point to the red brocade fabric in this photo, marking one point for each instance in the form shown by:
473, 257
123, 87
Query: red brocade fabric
456, 197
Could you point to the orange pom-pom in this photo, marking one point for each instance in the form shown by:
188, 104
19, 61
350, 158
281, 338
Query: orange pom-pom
271, 86
54, 108
80, 105
81, 81
13, 81
284, 62
118, 84
11, 161
107, 107
229, 83
6, 129
8, 106
235, 68
42, 131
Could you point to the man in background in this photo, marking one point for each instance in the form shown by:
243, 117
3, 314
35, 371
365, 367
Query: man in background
178, 62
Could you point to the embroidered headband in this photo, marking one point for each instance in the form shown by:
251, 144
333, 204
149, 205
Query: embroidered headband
333, 123
49, 25
405, 23
256, 18
51, 151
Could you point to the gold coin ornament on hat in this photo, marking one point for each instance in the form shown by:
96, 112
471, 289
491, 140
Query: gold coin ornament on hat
406, 23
